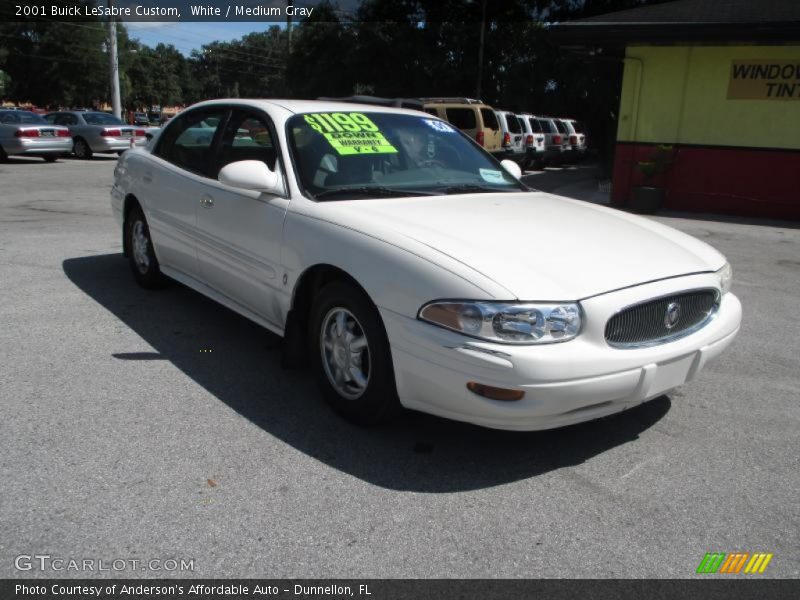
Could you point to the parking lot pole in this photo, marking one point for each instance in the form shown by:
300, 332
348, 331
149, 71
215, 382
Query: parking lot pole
480, 51
113, 61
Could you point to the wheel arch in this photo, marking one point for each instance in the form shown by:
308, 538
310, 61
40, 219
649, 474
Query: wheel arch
308, 284
129, 204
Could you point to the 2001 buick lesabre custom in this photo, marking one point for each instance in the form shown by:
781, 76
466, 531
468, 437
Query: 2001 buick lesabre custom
416, 269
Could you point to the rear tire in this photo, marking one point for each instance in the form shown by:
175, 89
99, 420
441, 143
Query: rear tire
351, 356
82, 149
141, 256
3, 155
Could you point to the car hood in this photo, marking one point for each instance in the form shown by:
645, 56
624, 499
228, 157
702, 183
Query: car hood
537, 246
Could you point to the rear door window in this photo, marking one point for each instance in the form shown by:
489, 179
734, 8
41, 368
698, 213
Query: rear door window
560, 126
535, 125
546, 126
489, 119
463, 118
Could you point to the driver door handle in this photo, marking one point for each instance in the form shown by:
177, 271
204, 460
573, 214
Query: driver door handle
207, 201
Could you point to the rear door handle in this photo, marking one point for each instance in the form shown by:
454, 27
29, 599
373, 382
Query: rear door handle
207, 201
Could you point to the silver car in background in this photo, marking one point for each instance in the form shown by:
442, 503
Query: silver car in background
28, 134
94, 131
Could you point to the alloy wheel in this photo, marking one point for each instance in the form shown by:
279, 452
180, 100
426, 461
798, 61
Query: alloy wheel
140, 246
345, 353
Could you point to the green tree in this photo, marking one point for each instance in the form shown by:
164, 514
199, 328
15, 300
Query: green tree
55, 63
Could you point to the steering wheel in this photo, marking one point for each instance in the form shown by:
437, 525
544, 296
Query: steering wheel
432, 163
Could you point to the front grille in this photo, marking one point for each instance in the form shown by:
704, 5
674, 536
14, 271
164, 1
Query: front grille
647, 324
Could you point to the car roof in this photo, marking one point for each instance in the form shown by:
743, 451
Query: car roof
304, 106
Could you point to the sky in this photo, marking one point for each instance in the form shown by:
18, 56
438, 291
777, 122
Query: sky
187, 36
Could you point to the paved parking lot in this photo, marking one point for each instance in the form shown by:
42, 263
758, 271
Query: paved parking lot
156, 425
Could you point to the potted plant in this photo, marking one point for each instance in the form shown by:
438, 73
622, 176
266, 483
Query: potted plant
649, 197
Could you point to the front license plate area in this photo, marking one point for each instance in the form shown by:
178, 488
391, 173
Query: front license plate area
671, 374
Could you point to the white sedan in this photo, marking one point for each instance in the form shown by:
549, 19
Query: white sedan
416, 271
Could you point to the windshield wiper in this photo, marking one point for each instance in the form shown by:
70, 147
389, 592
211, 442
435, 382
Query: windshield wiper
471, 188
366, 190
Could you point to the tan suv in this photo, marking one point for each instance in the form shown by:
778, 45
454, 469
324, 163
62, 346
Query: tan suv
473, 117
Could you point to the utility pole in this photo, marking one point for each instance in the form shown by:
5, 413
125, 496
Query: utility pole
480, 51
289, 5
113, 64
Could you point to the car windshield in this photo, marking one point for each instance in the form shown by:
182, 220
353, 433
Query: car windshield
342, 155
21, 116
99, 118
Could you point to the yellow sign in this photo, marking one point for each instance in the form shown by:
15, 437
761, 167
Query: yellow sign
764, 80
350, 133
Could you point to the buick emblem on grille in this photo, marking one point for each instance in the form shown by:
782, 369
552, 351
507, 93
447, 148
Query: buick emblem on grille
672, 315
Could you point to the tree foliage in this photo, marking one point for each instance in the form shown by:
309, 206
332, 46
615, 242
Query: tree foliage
386, 47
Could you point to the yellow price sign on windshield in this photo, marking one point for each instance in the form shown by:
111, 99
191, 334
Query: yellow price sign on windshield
350, 133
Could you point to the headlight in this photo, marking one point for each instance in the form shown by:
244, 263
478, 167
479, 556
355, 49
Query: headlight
725, 275
529, 323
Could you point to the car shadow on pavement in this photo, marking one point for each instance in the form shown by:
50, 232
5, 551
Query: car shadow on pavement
239, 363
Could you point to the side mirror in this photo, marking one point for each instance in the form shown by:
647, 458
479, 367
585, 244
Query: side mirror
513, 168
251, 175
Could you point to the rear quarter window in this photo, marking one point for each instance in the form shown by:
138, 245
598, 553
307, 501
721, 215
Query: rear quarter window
560, 126
463, 118
513, 124
546, 126
536, 126
489, 119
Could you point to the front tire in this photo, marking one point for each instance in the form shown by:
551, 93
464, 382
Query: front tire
82, 149
141, 256
351, 356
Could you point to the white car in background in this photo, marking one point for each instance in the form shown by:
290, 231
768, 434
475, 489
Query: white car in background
534, 141
415, 270
578, 140
513, 140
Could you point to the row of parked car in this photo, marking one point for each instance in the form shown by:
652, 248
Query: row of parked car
59, 133
527, 139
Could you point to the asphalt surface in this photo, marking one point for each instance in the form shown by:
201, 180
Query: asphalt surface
159, 425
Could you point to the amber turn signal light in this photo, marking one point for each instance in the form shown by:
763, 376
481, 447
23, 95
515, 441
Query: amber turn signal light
495, 393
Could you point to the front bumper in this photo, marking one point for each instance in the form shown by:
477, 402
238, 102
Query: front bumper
566, 383
38, 146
